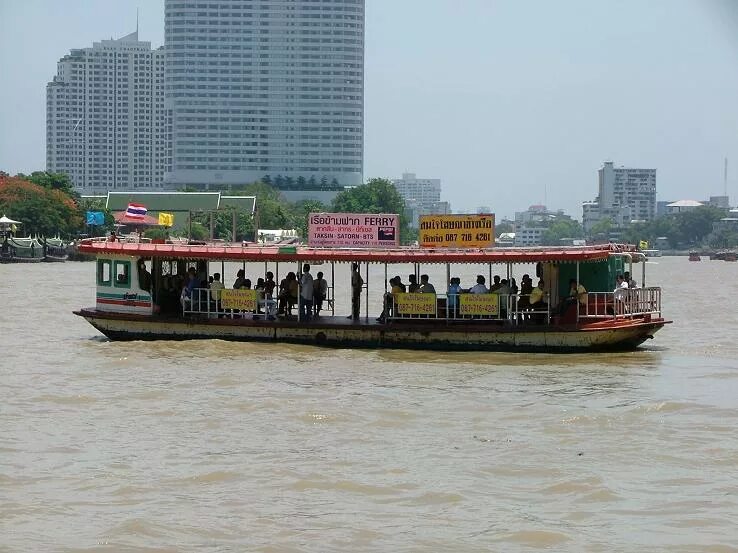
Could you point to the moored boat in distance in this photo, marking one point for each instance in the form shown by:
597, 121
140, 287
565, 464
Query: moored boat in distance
694, 256
651, 253
138, 298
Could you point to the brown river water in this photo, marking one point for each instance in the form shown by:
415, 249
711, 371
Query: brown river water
217, 446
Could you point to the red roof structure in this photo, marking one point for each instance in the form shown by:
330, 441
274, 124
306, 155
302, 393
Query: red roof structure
146, 221
252, 252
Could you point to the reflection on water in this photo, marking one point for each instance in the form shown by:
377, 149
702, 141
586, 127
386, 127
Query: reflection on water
211, 445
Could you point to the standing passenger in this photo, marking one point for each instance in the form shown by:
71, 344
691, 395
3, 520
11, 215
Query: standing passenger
356, 285
320, 291
306, 294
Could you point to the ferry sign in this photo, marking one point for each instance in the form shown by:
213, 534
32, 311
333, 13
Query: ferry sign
457, 231
354, 230
416, 304
241, 299
479, 304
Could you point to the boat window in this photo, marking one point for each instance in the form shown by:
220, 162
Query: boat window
122, 274
103, 272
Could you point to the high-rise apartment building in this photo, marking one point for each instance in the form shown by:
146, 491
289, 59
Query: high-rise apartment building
265, 87
105, 120
422, 196
625, 195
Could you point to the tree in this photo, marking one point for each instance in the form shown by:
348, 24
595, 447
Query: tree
602, 228
266, 179
52, 181
503, 228
692, 227
301, 211
562, 228
44, 211
376, 196
301, 182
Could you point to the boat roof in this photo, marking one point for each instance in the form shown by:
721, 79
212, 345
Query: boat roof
255, 252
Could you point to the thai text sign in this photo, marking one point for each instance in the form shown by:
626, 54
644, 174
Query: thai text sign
457, 231
238, 299
479, 304
415, 304
354, 230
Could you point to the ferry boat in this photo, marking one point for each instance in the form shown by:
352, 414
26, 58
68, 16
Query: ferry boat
138, 298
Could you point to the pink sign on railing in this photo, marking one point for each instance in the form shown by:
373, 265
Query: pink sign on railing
354, 230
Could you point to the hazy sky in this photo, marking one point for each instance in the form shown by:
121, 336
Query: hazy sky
510, 102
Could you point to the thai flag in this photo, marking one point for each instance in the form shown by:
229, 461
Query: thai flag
136, 211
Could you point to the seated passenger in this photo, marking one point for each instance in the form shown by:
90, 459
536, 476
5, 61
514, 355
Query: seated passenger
425, 286
389, 298
479, 287
413, 285
577, 295
495, 283
454, 289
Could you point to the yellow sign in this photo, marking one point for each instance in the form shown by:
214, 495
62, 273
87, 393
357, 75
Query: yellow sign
457, 231
416, 304
643, 245
479, 304
244, 300
166, 219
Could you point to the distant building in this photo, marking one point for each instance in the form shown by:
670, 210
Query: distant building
529, 236
422, 196
625, 195
105, 122
265, 88
683, 205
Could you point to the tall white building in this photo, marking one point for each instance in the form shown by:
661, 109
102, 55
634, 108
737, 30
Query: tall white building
422, 196
265, 87
625, 195
105, 119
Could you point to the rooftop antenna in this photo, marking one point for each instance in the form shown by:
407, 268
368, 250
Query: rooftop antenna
136, 22
725, 178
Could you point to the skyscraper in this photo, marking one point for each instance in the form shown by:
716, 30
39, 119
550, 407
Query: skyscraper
625, 195
105, 122
265, 87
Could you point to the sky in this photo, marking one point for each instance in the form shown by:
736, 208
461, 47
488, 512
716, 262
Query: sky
510, 103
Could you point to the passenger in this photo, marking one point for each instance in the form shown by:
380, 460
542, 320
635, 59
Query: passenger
620, 294
307, 291
503, 297
215, 287
144, 276
425, 286
479, 287
112, 237
246, 284
454, 289
269, 285
357, 284
320, 291
202, 274
496, 284
577, 295
259, 285
526, 287
413, 286
238, 283
188, 288
288, 292
390, 297
631, 282
538, 302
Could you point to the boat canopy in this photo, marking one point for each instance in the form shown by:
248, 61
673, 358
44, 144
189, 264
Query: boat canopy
255, 253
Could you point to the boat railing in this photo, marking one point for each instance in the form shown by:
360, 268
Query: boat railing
508, 309
623, 303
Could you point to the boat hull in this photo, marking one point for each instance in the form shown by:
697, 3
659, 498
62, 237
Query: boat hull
620, 335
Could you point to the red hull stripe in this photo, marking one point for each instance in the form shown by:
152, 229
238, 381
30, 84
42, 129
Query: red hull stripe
123, 302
